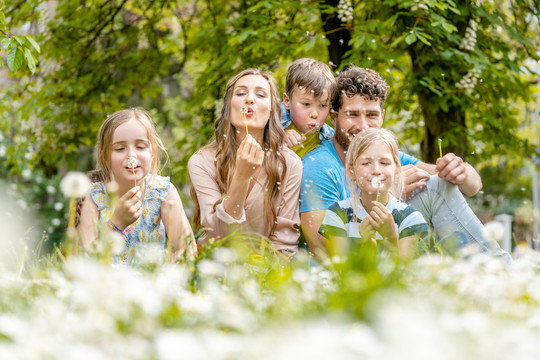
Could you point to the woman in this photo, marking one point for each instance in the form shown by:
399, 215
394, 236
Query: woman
246, 179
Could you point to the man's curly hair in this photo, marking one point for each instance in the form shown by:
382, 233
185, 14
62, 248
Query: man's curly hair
366, 82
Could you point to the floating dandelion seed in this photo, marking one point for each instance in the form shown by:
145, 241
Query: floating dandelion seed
376, 182
132, 163
440, 146
244, 110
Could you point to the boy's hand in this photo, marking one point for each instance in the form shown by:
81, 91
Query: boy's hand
292, 138
129, 208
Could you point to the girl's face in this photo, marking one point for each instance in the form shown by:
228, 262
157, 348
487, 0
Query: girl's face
375, 161
251, 94
130, 140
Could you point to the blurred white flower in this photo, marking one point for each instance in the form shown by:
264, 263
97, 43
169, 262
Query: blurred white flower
209, 268
55, 222
58, 206
26, 174
50, 189
75, 184
494, 230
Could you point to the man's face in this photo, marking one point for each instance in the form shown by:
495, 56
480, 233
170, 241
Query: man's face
356, 114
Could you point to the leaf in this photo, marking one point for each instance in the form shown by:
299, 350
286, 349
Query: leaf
2, 21
30, 60
423, 38
20, 40
33, 42
15, 59
410, 39
311, 43
7, 43
447, 55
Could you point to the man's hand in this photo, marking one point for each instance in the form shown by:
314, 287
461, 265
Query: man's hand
412, 179
452, 168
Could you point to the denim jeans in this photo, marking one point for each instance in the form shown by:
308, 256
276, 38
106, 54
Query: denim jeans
445, 209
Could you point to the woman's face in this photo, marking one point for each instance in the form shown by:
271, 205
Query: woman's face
251, 103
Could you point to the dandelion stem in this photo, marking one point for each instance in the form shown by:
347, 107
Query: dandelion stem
308, 132
377, 197
245, 122
440, 147
71, 223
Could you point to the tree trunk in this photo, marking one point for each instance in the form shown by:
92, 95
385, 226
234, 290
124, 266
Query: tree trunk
446, 125
337, 34
437, 124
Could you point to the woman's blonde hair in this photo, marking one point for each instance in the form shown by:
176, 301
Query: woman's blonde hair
358, 145
226, 144
103, 171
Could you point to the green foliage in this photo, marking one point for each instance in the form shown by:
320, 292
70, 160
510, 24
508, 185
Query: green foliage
20, 49
174, 58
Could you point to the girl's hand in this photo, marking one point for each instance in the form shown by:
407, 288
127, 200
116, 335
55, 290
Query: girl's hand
129, 208
367, 231
292, 138
383, 222
249, 158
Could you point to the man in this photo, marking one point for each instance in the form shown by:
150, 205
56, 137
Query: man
435, 190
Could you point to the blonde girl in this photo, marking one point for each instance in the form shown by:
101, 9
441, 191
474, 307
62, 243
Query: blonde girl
149, 208
373, 212
246, 179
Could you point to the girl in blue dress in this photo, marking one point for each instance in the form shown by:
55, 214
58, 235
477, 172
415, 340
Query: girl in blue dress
148, 208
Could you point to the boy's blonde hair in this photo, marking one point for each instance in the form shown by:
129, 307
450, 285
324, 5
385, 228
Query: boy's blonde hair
312, 75
359, 144
103, 149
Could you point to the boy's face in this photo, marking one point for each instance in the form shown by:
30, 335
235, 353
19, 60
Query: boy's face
308, 112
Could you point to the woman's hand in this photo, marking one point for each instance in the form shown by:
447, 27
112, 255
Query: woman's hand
129, 208
249, 158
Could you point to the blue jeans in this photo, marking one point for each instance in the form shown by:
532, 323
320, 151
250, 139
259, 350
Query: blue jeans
445, 209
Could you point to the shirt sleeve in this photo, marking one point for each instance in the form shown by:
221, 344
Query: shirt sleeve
288, 216
413, 224
285, 116
321, 187
204, 179
407, 159
333, 226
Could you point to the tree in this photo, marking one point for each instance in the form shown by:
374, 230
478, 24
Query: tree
460, 60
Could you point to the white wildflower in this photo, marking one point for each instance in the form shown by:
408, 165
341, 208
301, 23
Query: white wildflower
50, 189
468, 82
345, 11
75, 184
469, 40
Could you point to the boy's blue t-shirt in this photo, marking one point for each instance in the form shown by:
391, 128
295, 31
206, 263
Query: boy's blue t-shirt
323, 179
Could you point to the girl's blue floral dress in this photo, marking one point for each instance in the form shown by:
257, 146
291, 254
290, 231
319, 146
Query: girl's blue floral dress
148, 227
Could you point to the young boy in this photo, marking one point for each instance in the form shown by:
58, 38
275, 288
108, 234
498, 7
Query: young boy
309, 89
